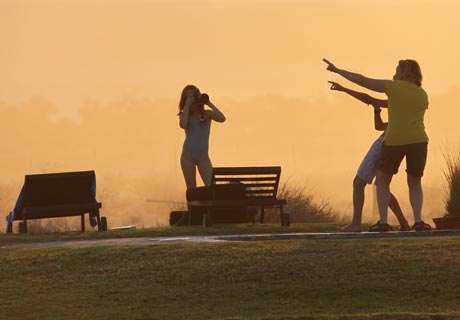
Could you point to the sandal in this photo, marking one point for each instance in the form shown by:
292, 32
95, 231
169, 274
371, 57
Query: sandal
421, 226
380, 227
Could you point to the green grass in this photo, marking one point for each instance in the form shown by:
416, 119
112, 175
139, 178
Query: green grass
293, 279
166, 232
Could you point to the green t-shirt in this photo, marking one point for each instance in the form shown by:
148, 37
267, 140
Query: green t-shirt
407, 104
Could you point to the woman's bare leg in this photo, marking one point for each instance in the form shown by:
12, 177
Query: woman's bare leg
205, 169
383, 194
358, 202
415, 196
396, 208
188, 169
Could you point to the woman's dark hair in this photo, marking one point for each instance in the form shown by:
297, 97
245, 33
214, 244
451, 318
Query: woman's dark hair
184, 95
410, 71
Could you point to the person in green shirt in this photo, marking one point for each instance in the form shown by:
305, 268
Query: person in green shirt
405, 135
368, 167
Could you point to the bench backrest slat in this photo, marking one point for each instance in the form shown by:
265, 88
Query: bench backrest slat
259, 182
247, 178
59, 188
246, 170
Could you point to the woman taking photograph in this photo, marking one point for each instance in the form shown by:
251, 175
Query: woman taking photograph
196, 122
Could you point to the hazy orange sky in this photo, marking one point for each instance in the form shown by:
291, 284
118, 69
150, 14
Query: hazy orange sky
256, 54
67, 50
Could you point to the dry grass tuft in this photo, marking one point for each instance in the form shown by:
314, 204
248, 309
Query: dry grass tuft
302, 206
452, 176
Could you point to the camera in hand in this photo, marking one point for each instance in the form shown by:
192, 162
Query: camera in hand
202, 98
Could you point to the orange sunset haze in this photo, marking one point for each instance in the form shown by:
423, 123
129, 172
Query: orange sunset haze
95, 84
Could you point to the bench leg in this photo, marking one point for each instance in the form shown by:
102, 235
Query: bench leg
282, 216
83, 223
262, 214
23, 226
104, 223
287, 220
9, 227
207, 218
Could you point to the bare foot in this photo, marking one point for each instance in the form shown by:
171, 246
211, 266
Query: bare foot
350, 228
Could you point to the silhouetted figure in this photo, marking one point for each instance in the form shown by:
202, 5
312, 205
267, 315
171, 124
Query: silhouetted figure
368, 167
404, 137
196, 121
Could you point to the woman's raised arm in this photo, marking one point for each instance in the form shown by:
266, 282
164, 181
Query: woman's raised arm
217, 115
359, 79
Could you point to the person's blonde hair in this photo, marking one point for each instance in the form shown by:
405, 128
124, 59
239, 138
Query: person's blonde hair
410, 71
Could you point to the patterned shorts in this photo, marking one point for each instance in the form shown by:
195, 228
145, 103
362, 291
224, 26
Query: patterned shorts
368, 167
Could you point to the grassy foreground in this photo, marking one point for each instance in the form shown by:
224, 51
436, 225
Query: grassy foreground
292, 279
222, 229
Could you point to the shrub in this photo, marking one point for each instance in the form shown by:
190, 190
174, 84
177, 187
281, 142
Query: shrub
302, 206
452, 179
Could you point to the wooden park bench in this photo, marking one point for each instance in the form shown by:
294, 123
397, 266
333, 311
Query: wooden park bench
259, 185
56, 195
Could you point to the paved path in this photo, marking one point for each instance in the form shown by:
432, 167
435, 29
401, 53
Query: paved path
239, 237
